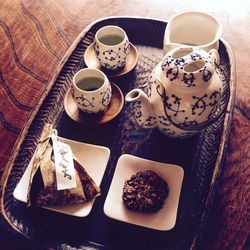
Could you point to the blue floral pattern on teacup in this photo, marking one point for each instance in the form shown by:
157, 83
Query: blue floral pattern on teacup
112, 58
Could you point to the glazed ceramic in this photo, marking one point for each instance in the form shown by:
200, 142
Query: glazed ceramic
183, 92
113, 56
192, 29
94, 101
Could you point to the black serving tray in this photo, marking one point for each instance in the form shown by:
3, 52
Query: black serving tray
201, 156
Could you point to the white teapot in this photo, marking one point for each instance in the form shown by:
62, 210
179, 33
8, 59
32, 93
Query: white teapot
183, 93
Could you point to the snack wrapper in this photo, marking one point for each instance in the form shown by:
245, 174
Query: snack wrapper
52, 159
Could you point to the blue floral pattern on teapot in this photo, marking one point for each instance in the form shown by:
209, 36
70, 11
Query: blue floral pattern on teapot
183, 93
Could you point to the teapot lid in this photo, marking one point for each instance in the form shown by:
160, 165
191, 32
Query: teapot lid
187, 67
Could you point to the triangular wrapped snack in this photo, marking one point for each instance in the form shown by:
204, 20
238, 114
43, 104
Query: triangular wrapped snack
43, 188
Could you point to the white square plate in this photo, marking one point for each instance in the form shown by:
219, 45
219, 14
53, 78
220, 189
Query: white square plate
165, 218
93, 158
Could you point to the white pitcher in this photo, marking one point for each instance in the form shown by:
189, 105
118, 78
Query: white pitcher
190, 29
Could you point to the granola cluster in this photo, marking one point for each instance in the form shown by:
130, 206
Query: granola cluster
145, 191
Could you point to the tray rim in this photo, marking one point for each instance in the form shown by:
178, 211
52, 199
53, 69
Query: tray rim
4, 220
219, 165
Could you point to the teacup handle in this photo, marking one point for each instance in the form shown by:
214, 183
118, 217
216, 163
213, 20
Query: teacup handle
215, 55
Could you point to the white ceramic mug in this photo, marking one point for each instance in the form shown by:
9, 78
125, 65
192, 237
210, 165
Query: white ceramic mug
111, 46
91, 90
192, 28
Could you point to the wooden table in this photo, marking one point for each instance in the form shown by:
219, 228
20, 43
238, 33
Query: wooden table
35, 35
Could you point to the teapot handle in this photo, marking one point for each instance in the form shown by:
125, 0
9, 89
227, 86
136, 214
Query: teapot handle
215, 55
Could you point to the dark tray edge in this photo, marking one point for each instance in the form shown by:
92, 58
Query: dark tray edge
219, 162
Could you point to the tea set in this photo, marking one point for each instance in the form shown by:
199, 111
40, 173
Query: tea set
184, 90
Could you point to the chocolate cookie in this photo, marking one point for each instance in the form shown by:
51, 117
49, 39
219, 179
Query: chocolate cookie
145, 191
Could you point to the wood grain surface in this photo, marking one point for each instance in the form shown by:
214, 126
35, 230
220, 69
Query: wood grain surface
35, 35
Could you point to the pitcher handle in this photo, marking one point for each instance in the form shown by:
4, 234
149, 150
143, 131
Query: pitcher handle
169, 46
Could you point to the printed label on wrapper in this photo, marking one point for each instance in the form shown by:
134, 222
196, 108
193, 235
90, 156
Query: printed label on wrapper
64, 165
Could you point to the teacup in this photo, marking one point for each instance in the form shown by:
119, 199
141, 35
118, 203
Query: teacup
91, 90
111, 47
190, 29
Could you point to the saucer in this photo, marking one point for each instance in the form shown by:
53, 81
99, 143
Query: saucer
92, 62
162, 220
94, 159
114, 108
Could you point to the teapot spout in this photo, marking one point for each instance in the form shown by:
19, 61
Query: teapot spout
144, 113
